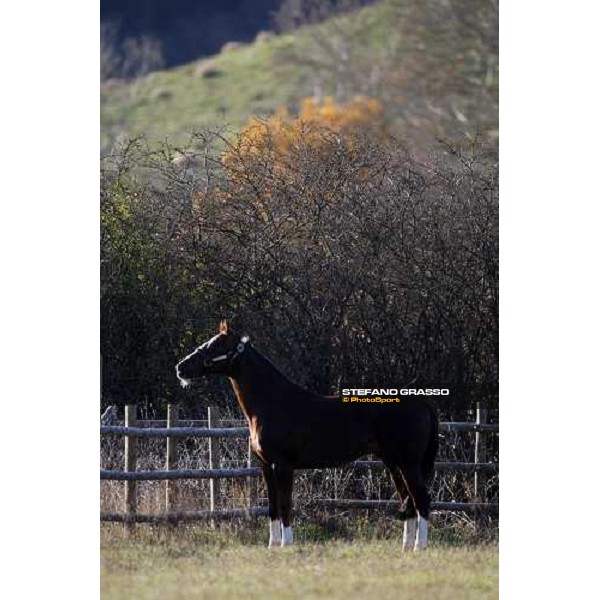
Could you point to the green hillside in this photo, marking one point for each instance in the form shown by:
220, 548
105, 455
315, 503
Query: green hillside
432, 63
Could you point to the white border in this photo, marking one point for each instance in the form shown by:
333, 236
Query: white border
50, 291
549, 298
49, 247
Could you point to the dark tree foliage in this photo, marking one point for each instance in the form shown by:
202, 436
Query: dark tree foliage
347, 264
187, 29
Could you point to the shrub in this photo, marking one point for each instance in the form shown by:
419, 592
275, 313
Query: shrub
342, 256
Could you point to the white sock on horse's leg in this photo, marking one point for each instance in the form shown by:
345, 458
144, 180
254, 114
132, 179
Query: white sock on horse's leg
287, 537
410, 532
274, 533
421, 541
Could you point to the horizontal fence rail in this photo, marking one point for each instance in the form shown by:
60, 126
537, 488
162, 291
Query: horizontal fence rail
463, 467
241, 432
246, 513
130, 475
198, 432
394, 505
176, 517
156, 475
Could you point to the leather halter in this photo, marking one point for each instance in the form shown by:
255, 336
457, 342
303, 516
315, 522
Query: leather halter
230, 356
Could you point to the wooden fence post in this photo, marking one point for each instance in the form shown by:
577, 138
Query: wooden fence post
171, 485
214, 458
252, 481
130, 464
481, 457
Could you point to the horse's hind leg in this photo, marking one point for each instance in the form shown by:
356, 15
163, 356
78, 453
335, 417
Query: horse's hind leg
407, 508
284, 481
274, 520
413, 478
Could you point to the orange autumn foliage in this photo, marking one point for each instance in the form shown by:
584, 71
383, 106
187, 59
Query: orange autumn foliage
274, 153
275, 137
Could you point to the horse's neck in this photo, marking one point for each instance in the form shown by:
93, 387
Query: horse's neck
259, 385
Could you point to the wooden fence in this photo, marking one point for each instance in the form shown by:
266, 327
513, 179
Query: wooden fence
481, 469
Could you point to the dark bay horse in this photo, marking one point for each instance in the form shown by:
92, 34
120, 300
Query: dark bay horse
292, 428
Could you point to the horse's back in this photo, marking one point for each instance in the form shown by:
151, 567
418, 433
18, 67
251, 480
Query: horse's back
328, 432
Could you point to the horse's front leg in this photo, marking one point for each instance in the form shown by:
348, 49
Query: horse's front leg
284, 482
274, 517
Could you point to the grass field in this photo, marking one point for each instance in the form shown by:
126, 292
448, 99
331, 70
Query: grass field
201, 563
437, 68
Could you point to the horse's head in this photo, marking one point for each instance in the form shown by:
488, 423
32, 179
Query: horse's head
218, 355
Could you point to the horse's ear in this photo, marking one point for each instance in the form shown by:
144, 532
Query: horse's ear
224, 327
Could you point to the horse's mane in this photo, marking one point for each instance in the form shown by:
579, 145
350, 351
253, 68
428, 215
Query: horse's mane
275, 368
286, 380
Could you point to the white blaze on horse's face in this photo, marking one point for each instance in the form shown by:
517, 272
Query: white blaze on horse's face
194, 361
217, 355
210, 342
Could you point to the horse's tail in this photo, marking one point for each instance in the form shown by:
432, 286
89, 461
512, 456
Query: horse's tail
428, 464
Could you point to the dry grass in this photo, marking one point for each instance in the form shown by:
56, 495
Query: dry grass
200, 562
339, 554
